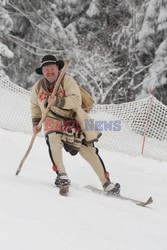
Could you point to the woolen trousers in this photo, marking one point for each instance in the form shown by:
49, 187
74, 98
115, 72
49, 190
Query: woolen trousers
88, 152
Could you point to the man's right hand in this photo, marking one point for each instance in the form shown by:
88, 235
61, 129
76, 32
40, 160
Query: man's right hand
36, 130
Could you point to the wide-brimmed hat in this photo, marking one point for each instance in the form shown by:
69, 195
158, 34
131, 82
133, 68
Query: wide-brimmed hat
47, 60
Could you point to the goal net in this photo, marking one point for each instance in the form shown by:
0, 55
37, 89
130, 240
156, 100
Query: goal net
134, 127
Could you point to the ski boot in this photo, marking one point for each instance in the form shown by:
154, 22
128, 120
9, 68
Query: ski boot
63, 183
111, 188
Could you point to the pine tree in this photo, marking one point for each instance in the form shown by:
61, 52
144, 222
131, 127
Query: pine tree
5, 27
152, 44
117, 48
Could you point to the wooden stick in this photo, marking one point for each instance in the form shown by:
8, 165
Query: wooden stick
44, 117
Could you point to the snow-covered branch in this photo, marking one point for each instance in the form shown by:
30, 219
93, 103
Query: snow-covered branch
34, 46
115, 83
37, 26
36, 12
150, 78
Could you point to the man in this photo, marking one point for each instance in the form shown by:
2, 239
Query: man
64, 125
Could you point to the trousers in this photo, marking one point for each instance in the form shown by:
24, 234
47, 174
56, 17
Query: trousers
87, 151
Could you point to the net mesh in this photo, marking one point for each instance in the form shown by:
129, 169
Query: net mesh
124, 126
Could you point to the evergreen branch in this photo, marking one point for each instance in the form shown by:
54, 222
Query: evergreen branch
36, 12
78, 72
97, 86
115, 83
84, 78
35, 25
140, 84
138, 72
31, 52
33, 46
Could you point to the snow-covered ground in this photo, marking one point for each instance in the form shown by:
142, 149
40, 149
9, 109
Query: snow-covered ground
34, 216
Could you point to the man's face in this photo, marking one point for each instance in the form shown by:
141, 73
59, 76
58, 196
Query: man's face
50, 72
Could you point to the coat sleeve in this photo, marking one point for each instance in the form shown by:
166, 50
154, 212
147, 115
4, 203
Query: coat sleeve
35, 109
72, 93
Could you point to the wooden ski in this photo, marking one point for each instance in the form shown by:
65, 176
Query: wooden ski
120, 197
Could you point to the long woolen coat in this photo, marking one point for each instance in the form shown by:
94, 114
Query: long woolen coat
67, 106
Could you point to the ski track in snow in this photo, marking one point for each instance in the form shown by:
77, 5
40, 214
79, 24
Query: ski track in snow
34, 216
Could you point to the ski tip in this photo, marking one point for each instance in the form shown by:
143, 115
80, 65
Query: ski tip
150, 200
143, 204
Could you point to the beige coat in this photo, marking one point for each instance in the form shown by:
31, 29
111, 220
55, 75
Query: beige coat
68, 106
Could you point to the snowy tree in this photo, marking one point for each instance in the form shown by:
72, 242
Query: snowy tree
115, 47
152, 44
95, 70
76, 30
5, 27
142, 40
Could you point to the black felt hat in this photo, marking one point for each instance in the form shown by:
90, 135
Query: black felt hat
47, 60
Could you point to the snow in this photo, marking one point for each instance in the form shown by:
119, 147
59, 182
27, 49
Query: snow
93, 10
34, 216
57, 28
4, 51
162, 16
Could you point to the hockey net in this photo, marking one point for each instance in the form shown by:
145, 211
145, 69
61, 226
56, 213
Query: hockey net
129, 127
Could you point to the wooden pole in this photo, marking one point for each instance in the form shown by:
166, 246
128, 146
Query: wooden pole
44, 117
